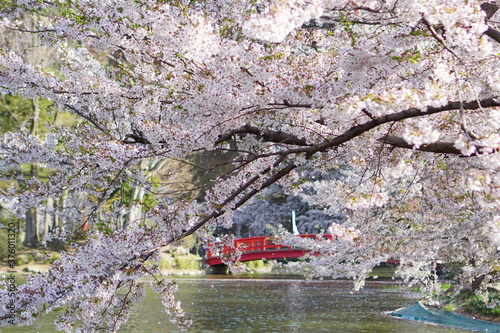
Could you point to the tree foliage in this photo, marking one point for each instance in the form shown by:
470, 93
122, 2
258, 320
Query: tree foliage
400, 96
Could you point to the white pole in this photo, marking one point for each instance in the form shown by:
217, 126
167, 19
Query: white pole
295, 231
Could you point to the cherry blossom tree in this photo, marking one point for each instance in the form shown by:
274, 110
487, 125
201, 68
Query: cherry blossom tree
400, 96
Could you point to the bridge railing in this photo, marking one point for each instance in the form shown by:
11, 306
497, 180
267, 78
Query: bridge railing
257, 244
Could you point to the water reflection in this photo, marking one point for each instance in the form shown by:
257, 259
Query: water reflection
282, 305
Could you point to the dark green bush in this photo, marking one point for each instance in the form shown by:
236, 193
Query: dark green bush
477, 304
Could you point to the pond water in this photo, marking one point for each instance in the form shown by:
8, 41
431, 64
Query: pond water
273, 304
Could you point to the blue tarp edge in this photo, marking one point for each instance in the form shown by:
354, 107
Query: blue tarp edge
418, 311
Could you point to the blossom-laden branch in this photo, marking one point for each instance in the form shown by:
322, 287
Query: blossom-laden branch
352, 133
355, 131
399, 116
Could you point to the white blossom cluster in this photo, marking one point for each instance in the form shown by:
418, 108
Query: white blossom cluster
278, 19
494, 231
422, 134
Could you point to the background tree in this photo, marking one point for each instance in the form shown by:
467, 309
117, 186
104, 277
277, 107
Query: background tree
31, 114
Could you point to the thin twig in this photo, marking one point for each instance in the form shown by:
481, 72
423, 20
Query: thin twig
441, 40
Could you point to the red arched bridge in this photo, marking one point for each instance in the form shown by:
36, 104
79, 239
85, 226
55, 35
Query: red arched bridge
256, 248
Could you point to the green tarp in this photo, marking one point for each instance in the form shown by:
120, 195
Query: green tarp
418, 311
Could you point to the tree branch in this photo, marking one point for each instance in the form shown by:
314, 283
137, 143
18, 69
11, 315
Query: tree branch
490, 9
440, 39
89, 118
493, 34
310, 150
268, 182
350, 134
266, 135
436, 147
33, 31
358, 130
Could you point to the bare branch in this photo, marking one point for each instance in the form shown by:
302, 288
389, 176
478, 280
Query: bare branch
92, 121
33, 31
368, 113
266, 135
436, 147
440, 39
271, 180
490, 9
287, 104
493, 34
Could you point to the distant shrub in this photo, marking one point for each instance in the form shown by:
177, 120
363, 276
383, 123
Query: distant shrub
485, 306
54, 256
166, 263
23, 259
55, 245
450, 307
186, 263
256, 264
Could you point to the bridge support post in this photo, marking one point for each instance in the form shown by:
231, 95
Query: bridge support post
219, 269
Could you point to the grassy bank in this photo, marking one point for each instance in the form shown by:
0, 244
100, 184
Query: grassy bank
484, 307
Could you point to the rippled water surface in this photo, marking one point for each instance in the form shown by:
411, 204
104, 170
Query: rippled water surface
274, 304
